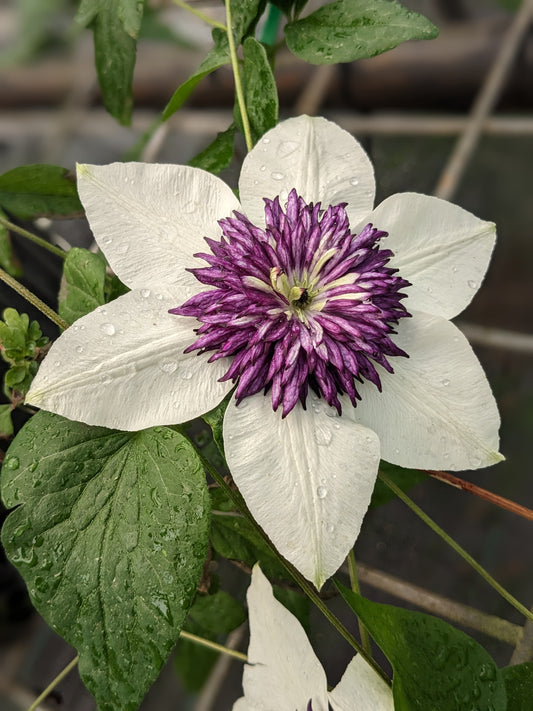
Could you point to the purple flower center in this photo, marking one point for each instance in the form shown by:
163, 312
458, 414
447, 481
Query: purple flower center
303, 303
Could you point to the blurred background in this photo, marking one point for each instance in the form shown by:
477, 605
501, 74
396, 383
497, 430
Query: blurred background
452, 117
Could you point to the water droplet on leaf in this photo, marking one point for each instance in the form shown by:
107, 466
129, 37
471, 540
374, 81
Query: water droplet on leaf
12, 463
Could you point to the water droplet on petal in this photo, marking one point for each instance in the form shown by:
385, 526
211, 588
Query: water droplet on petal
323, 437
57, 363
108, 329
186, 375
123, 248
159, 296
472, 284
168, 366
107, 240
190, 207
321, 492
354, 181
287, 147
277, 176
145, 293
262, 168
266, 140
445, 382
79, 349
475, 461
332, 412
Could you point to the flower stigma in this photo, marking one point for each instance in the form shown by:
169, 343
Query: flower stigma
301, 303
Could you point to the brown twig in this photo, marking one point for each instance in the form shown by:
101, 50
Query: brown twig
500, 501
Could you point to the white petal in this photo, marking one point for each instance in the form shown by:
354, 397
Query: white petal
123, 366
361, 689
436, 410
440, 248
307, 479
150, 219
282, 673
318, 158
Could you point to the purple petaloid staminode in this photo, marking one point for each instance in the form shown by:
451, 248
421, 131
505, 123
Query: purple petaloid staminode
302, 303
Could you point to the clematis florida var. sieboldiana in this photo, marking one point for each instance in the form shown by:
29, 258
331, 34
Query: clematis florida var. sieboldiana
329, 316
284, 674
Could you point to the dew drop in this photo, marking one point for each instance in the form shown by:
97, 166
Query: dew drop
283, 195
101, 310
108, 329
168, 366
79, 349
57, 363
12, 463
123, 248
475, 461
454, 270
186, 375
82, 328
323, 437
190, 207
354, 181
397, 451
286, 148
145, 293
266, 140
262, 168
277, 176
472, 284
106, 380
331, 528
321, 492
107, 240
445, 382
159, 296
332, 412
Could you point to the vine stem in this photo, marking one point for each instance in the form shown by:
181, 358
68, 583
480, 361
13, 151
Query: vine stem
34, 238
456, 547
199, 14
183, 634
52, 685
237, 78
306, 587
32, 299
213, 645
354, 583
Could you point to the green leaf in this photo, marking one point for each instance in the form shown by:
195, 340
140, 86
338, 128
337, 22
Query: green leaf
295, 602
110, 535
519, 686
404, 478
6, 423
215, 420
234, 538
244, 17
209, 617
218, 56
260, 91
355, 29
435, 666
218, 154
115, 27
82, 284
32, 190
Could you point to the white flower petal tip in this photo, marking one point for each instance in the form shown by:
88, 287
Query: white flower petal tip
122, 366
442, 249
164, 211
283, 672
322, 161
307, 479
436, 411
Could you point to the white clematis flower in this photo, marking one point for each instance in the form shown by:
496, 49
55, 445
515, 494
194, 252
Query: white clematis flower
283, 673
299, 301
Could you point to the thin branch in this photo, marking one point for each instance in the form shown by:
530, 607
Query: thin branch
354, 584
457, 548
199, 14
32, 299
237, 78
213, 645
52, 685
500, 501
33, 238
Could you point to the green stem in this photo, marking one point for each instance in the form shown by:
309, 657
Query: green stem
34, 238
62, 674
457, 548
308, 589
32, 299
198, 13
270, 28
237, 78
354, 583
213, 645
